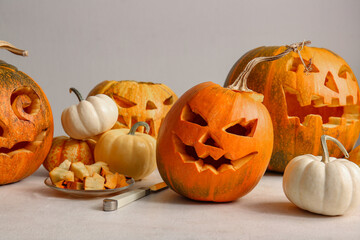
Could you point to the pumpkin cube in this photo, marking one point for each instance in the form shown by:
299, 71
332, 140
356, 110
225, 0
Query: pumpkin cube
105, 170
120, 180
75, 185
58, 174
79, 170
110, 181
96, 182
95, 167
65, 165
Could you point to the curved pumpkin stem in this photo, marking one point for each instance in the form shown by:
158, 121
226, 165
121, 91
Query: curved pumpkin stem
325, 155
13, 49
137, 125
77, 93
241, 82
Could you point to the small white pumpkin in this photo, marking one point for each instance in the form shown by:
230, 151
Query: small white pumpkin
90, 117
128, 152
323, 185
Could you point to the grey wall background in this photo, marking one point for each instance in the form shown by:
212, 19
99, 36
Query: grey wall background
179, 43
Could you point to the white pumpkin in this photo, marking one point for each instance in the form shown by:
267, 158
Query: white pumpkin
90, 117
323, 185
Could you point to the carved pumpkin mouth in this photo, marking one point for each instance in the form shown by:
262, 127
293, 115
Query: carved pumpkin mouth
188, 155
331, 115
24, 146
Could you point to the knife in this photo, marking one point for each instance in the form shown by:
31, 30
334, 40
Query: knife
113, 203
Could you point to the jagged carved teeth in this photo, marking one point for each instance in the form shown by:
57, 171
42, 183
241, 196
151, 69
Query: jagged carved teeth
24, 146
331, 115
189, 155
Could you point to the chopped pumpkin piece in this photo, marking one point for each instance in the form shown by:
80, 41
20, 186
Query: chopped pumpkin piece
79, 170
58, 174
96, 182
65, 165
120, 180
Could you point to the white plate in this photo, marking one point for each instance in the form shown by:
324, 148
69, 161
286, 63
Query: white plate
88, 193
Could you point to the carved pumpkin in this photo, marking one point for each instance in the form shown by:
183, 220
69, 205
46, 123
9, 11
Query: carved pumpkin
26, 123
214, 144
138, 102
304, 106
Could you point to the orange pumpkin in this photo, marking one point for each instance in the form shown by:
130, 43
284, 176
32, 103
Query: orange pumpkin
71, 149
215, 143
305, 106
26, 123
138, 102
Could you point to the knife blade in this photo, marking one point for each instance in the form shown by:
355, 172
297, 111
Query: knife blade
116, 202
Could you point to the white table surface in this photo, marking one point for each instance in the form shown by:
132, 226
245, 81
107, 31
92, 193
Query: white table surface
31, 210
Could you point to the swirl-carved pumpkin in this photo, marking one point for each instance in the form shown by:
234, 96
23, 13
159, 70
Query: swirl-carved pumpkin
138, 102
26, 123
305, 106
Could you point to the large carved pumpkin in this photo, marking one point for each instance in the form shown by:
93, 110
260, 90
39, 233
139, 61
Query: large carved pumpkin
26, 123
215, 143
138, 102
304, 106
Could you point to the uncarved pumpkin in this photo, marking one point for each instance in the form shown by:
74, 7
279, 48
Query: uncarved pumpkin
138, 102
26, 123
305, 106
65, 148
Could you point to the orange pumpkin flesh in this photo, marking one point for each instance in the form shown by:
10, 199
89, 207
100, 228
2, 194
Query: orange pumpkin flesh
214, 144
138, 102
304, 106
26, 125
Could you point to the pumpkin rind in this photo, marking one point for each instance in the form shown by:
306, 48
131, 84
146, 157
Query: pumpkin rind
212, 173
138, 102
331, 83
26, 125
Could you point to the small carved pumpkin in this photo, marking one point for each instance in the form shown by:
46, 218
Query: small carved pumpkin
26, 123
305, 105
138, 102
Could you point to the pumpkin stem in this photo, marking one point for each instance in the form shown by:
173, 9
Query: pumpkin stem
240, 83
77, 93
13, 49
325, 155
137, 125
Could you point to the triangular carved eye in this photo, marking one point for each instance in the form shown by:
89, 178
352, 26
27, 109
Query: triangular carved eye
190, 116
246, 129
123, 102
330, 82
345, 71
150, 105
169, 101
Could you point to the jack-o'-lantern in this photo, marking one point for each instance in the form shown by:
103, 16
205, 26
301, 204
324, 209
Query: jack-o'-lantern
138, 102
215, 143
304, 105
26, 122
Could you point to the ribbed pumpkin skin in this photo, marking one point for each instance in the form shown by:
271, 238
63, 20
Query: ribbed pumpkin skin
26, 132
295, 136
221, 108
71, 149
138, 102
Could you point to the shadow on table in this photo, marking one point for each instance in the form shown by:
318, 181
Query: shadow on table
281, 208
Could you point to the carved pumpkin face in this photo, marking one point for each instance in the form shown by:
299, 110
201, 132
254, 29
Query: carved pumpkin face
304, 106
138, 102
214, 144
26, 125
